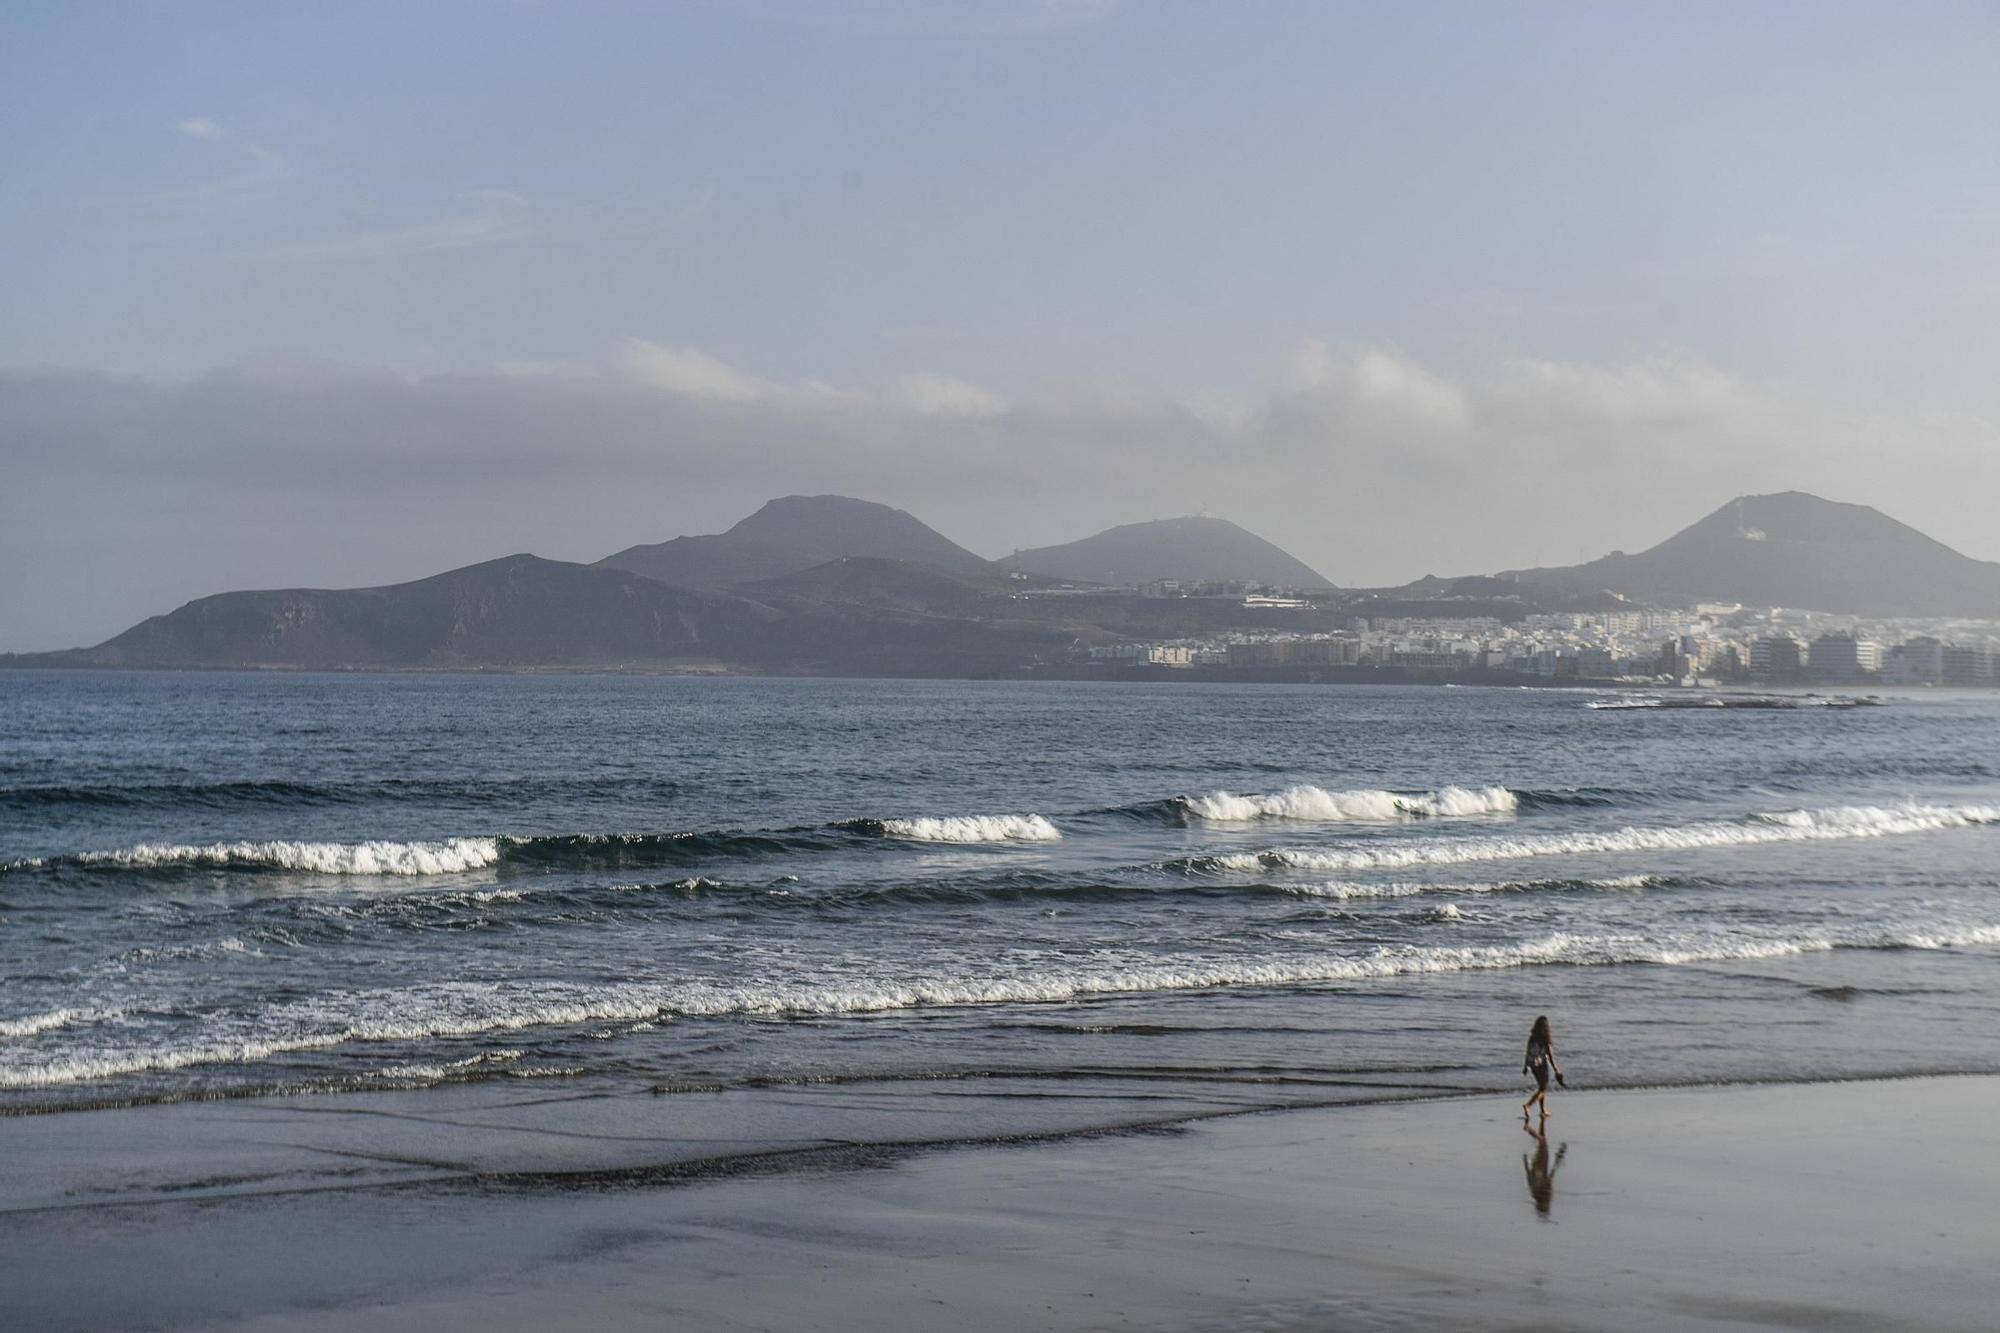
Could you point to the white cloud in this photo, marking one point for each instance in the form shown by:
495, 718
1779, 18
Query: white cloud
1361, 386
944, 396
1659, 391
202, 127
687, 372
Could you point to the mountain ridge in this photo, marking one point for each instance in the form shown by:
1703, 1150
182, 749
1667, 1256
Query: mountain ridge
518, 610
794, 533
1795, 549
1193, 549
870, 614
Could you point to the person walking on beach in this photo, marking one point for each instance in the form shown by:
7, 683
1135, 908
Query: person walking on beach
1541, 1061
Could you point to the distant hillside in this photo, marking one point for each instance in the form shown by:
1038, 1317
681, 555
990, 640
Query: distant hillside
848, 616
890, 585
1797, 550
1473, 596
795, 533
1190, 549
856, 615
518, 610
867, 616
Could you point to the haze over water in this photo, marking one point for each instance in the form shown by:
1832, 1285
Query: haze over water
1126, 901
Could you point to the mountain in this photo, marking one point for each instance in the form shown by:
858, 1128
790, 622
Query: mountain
795, 533
894, 586
1796, 550
939, 610
1199, 550
850, 616
518, 610
866, 616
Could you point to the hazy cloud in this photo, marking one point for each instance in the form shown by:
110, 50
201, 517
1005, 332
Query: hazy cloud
1368, 388
129, 496
688, 372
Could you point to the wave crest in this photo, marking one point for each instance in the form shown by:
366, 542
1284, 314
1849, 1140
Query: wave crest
448, 857
969, 828
29, 1025
1307, 802
1775, 827
464, 1009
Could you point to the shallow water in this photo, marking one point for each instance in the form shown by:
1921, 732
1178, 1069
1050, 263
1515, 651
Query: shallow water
219, 884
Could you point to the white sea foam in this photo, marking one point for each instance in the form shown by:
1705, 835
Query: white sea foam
447, 857
460, 1009
180, 952
1345, 889
1317, 803
1952, 939
973, 828
428, 1071
29, 1025
1783, 826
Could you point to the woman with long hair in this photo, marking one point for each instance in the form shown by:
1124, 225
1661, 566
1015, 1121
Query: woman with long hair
1541, 1061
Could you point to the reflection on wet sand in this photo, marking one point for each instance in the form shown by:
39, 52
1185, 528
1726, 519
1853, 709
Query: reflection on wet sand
1541, 1169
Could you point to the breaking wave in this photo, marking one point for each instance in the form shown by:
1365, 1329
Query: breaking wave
1309, 802
1778, 827
29, 1025
465, 1009
962, 828
448, 857
456, 855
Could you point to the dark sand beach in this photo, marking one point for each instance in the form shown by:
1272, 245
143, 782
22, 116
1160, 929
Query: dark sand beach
1858, 1205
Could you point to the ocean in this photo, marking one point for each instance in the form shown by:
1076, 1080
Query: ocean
966, 910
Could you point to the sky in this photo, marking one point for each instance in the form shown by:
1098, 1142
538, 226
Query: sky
340, 295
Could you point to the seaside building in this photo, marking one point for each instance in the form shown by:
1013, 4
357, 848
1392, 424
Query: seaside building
1845, 658
1967, 664
1777, 658
1846, 650
1917, 661
1261, 653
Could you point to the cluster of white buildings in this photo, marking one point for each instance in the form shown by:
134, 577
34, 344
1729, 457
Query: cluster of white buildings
1709, 643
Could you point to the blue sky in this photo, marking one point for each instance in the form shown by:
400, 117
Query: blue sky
1320, 267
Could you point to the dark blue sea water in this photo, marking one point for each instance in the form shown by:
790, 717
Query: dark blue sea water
239, 885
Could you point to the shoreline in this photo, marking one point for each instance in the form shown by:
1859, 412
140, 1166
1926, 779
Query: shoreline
1147, 675
1859, 1203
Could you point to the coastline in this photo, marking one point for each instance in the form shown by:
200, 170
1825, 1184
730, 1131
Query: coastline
1823, 1205
1382, 677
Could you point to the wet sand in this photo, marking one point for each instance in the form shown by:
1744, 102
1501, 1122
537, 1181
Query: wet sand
1827, 1206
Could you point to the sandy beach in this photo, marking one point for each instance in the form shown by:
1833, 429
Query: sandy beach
1838, 1206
